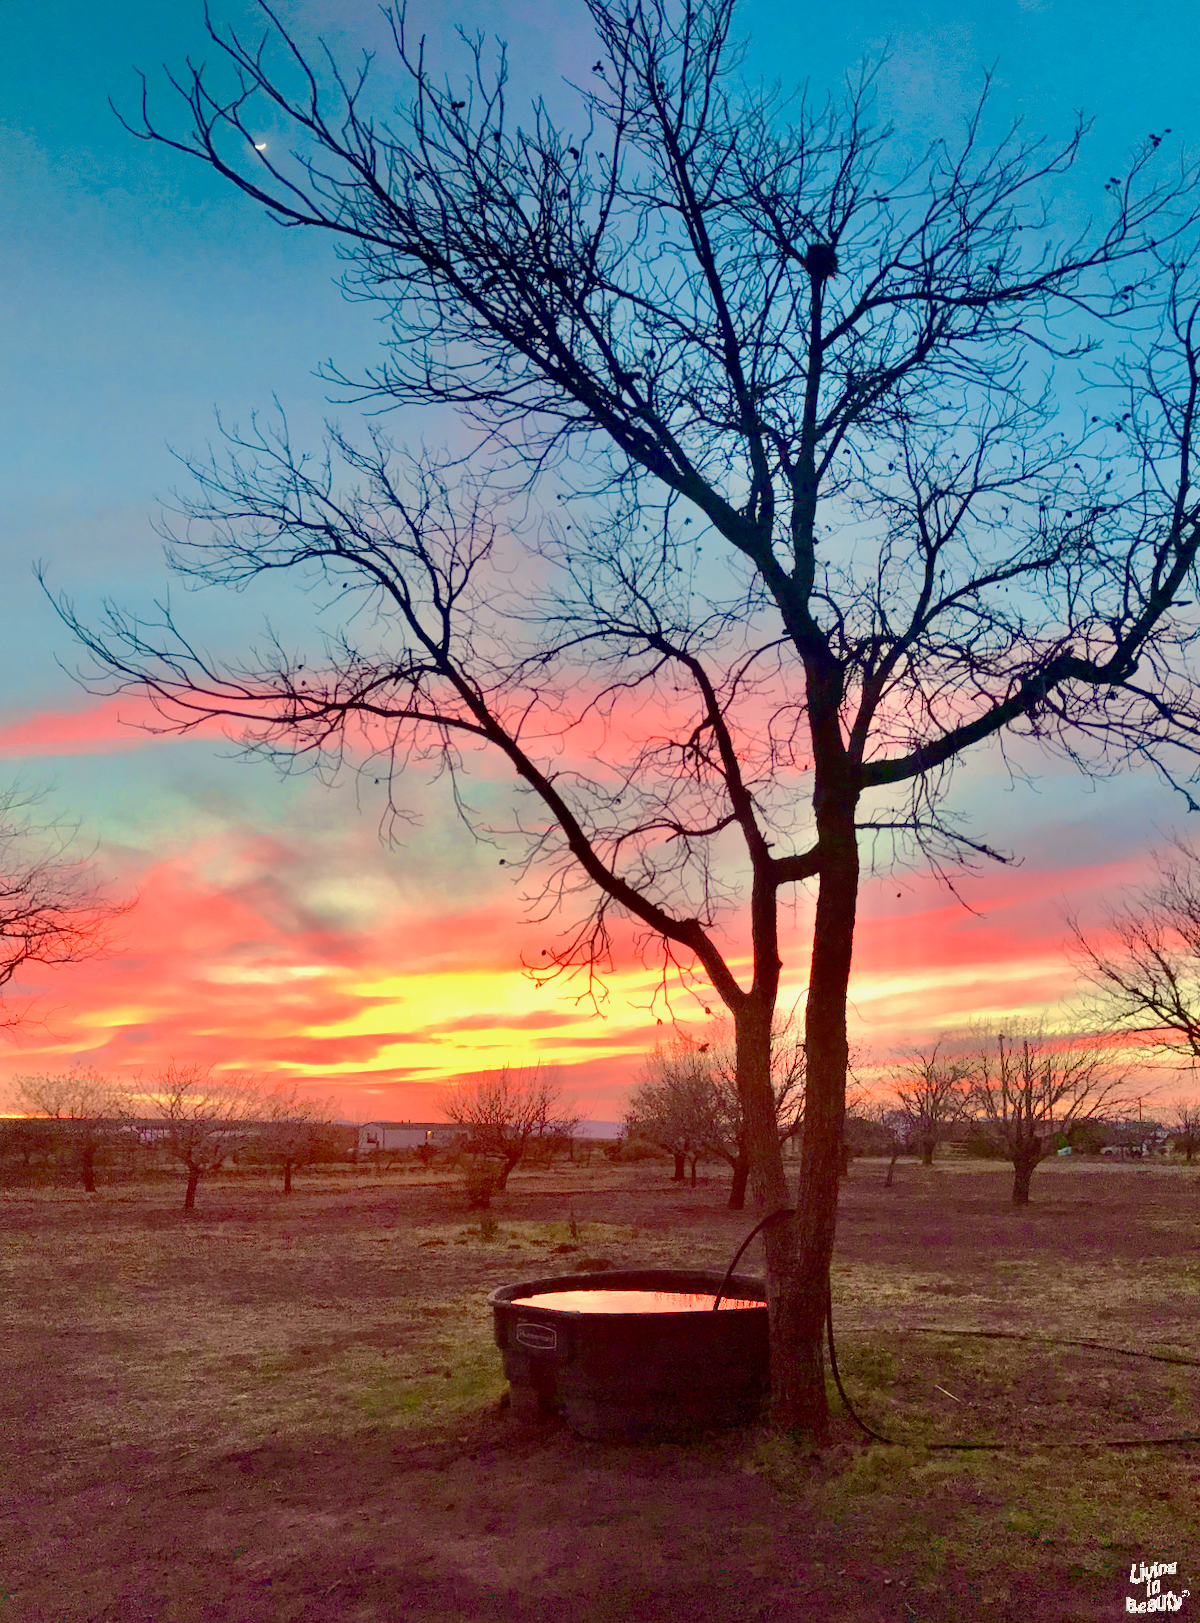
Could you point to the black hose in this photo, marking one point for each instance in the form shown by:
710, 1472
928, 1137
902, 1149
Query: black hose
997, 1335
837, 1379
1053, 1341
775, 1217
1013, 1335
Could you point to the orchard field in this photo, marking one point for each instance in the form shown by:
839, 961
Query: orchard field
290, 1409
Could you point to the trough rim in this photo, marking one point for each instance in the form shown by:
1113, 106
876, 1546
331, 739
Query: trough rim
709, 1280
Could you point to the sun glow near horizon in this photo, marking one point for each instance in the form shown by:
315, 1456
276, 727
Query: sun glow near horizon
231, 972
280, 938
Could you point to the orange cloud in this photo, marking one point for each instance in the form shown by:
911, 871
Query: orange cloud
225, 960
304, 957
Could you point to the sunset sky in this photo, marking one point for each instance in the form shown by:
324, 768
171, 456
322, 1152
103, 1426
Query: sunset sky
273, 931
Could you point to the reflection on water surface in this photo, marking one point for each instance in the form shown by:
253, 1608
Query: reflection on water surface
617, 1301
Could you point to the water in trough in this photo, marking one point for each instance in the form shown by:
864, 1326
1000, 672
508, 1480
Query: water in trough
629, 1301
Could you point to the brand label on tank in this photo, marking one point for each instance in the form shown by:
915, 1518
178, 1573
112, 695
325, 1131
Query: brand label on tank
539, 1337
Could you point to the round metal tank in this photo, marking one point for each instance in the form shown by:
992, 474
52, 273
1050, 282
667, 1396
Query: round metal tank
621, 1376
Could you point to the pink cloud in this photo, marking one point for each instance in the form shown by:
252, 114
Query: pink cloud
230, 958
238, 972
95, 726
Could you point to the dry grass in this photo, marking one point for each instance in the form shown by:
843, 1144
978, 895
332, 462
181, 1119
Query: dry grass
339, 1342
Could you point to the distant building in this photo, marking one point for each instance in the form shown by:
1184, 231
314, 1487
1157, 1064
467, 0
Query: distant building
404, 1135
1135, 1140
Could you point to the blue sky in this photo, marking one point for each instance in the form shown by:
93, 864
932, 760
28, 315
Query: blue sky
140, 293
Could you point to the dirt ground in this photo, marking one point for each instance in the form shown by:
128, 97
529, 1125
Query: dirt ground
289, 1409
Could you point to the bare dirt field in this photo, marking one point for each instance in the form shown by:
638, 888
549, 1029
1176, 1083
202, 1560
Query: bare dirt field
289, 1409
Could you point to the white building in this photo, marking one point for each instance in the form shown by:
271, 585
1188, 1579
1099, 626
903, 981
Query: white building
404, 1135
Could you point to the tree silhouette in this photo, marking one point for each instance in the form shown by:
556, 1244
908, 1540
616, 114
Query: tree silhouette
84, 1108
688, 1101
932, 1095
197, 1119
53, 909
673, 1105
1028, 1086
505, 1113
1184, 1123
1147, 975
298, 1131
832, 507
729, 1132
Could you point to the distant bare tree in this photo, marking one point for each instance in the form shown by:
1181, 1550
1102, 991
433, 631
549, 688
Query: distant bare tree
890, 1130
672, 1103
728, 1130
688, 1101
200, 1120
53, 909
1184, 1123
1147, 974
1027, 1086
85, 1106
297, 1131
507, 1111
931, 1096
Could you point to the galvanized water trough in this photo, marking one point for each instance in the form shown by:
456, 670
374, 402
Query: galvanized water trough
635, 1356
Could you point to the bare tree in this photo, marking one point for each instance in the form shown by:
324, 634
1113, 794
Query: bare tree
932, 1096
506, 1112
297, 1133
1027, 1087
197, 1119
1184, 1124
86, 1107
1147, 973
688, 1101
1144, 970
893, 1124
728, 1131
53, 909
829, 517
673, 1103
888, 1131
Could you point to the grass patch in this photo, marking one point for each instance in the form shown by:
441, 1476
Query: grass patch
997, 1520
347, 1320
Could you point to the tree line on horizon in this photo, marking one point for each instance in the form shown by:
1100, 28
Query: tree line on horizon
1019, 1102
1019, 1095
1023, 1092
182, 1113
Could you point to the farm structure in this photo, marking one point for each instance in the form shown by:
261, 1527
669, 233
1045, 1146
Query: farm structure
374, 1136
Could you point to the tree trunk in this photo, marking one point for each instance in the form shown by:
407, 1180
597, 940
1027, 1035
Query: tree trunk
928, 1145
887, 1182
741, 1176
768, 1181
680, 1162
510, 1161
189, 1200
87, 1165
798, 1399
1023, 1164
287, 1177
693, 1171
